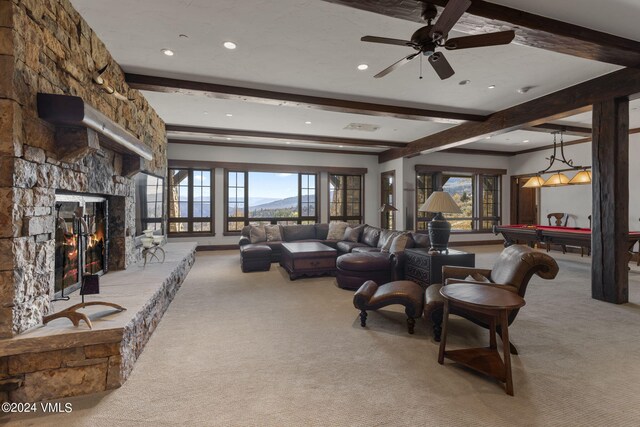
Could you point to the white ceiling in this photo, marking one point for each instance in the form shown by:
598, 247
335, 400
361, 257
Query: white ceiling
313, 47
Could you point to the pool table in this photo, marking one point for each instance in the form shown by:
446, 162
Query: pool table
551, 235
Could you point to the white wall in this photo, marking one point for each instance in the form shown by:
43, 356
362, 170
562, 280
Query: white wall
279, 157
576, 200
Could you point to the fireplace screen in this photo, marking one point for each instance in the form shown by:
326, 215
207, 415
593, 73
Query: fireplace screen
81, 240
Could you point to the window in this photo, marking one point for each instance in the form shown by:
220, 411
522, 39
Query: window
387, 197
476, 193
190, 202
345, 198
269, 198
149, 202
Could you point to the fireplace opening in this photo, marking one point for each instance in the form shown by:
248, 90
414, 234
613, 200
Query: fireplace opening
82, 240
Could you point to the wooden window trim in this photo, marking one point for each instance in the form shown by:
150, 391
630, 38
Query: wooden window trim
190, 218
246, 219
344, 216
262, 167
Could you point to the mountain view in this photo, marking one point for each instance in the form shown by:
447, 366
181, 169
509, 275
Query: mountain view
461, 189
272, 208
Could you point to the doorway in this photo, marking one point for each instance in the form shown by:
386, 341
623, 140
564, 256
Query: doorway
524, 202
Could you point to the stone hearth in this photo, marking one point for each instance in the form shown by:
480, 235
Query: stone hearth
60, 360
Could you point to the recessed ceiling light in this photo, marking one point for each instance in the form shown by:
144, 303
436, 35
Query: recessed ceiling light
340, 146
205, 112
488, 137
168, 52
288, 142
525, 89
464, 82
307, 122
526, 140
228, 139
229, 115
230, 45
491, 87
362, 67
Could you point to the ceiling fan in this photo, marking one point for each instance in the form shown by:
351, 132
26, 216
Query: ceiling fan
433, 36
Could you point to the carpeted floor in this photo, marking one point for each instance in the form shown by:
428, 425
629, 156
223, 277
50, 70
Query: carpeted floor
257, 349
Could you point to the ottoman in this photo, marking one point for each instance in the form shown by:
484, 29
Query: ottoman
353, 269
255, 258
370, 296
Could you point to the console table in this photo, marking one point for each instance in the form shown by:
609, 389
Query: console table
425, 268
491, 302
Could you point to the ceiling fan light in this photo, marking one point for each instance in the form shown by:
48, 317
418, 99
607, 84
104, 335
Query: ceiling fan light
556, 180
582, 177
534, 182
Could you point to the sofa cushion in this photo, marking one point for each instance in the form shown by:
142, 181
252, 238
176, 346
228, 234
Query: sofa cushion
257, 234
361, 249
336, 230
370, 236
352, 234
321, 231
420, 240
401, 242
293, 233
385, 237
346, 247
273, 232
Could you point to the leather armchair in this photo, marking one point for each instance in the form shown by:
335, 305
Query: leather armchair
512, 271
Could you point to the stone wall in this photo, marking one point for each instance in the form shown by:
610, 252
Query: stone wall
46, 46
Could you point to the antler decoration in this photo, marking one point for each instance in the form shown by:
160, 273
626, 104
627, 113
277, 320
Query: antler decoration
105, 87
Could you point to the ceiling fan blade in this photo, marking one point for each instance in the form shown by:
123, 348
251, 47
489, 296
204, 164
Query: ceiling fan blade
450, 15
480, 40
385, 40
441, 65
395, 65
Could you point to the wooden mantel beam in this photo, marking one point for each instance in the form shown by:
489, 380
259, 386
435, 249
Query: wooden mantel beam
564, 103
531, 30
167, 85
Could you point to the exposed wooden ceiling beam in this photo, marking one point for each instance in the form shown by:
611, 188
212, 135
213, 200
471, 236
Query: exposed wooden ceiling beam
167, 85
531, 30
269, 147
567, 130
564, 103
282, 137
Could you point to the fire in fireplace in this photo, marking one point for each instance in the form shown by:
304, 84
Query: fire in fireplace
81, 240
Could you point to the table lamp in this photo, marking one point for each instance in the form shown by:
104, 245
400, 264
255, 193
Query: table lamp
387, 209
439, 228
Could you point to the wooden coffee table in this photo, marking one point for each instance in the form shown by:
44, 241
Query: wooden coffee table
308, 259
489, 301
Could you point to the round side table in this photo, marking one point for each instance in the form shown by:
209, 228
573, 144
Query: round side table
490, 301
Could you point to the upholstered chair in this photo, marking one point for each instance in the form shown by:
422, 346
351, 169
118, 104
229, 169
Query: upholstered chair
512, 271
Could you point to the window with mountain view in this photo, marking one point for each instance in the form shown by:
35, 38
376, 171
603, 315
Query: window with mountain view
270, 198
345, 198
477, 195
190, 201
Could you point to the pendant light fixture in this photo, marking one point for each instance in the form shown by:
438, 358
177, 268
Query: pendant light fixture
558, 178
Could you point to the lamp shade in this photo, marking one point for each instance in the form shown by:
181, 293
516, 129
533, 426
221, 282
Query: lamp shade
556, 180
388, 208
440, 201
534, 182
582, 177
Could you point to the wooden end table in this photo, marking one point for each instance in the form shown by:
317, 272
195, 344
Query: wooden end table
425, 268
490, 301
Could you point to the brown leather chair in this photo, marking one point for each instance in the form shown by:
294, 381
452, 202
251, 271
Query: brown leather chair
512, 271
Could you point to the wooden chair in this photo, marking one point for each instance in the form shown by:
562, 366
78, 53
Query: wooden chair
559, 217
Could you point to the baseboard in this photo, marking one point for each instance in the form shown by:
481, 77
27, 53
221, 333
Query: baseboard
203, 248
476, 243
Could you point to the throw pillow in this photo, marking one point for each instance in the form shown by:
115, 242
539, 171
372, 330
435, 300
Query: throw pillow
401, 242
387, 241
477, 277
257, 234
273, 233
336, 230
352, 234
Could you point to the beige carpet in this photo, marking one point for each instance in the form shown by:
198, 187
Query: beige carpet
257, 349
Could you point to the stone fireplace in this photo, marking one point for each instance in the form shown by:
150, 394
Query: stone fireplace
94, 151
